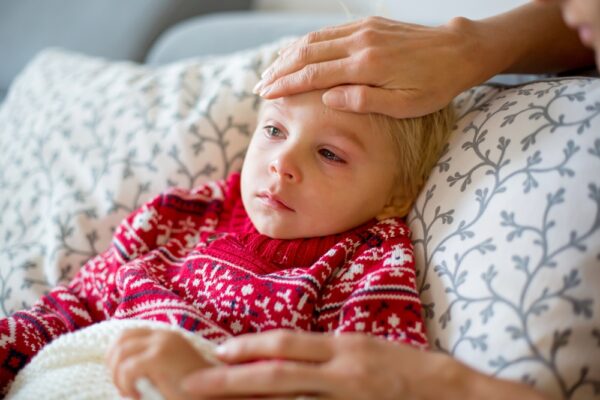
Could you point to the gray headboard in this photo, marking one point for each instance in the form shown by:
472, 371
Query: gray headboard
114, 29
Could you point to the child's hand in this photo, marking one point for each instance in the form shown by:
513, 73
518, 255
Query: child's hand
164, 357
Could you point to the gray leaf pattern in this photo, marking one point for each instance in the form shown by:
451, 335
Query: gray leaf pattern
507, 236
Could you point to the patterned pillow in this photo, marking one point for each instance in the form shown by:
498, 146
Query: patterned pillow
507, 235
85, 141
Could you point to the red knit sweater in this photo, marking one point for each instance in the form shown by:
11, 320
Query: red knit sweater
193, 258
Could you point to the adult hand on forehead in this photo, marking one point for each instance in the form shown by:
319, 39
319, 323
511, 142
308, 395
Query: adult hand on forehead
406, 70
388, 67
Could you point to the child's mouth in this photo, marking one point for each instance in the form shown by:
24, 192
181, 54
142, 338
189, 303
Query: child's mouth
273, 201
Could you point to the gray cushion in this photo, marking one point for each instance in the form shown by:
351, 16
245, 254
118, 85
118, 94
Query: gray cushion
223, 33
108, 28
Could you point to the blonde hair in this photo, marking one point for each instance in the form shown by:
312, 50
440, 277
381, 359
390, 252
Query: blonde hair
418, 143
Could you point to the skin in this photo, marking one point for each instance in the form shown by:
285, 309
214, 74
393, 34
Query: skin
311, 172
406, 70
345, 367
145, 353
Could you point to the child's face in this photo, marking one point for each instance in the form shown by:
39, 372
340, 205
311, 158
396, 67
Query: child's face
312, 171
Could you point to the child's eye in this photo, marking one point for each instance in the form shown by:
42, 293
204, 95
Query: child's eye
331, 156
273, 131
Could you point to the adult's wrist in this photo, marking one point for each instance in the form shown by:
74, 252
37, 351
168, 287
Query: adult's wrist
478, 50
457, 381
531, 38
453, 379
492, 388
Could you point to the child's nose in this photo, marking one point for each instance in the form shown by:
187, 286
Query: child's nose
286, 167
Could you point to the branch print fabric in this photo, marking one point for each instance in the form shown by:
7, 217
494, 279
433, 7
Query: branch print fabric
507, 236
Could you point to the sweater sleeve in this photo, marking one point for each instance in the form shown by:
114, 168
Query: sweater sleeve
375, 292
93, 294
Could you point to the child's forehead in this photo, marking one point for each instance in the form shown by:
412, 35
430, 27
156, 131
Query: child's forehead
311, 99
311, 103
308, 110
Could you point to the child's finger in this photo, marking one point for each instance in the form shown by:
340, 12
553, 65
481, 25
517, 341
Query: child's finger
128, 372
122, 352
123, 346
147, 390
126, 363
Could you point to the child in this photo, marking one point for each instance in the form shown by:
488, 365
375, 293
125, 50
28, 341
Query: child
293, 242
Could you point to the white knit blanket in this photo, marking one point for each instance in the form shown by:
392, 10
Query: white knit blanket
73, 366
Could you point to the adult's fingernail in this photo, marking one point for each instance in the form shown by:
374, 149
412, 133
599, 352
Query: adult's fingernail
266, 73
335, 98
265, 91
258, 87
221, 350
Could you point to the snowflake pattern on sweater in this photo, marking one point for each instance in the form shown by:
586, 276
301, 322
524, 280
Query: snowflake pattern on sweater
192, 258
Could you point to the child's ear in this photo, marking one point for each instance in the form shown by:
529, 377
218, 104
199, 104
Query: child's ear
397, 206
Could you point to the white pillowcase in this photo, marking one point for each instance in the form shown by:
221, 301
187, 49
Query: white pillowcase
507, 235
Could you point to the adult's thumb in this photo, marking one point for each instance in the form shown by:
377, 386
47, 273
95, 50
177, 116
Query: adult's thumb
362, 99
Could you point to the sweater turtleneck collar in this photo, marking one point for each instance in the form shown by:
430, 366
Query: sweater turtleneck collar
292, 253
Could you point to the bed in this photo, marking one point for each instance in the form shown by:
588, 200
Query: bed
506, 231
